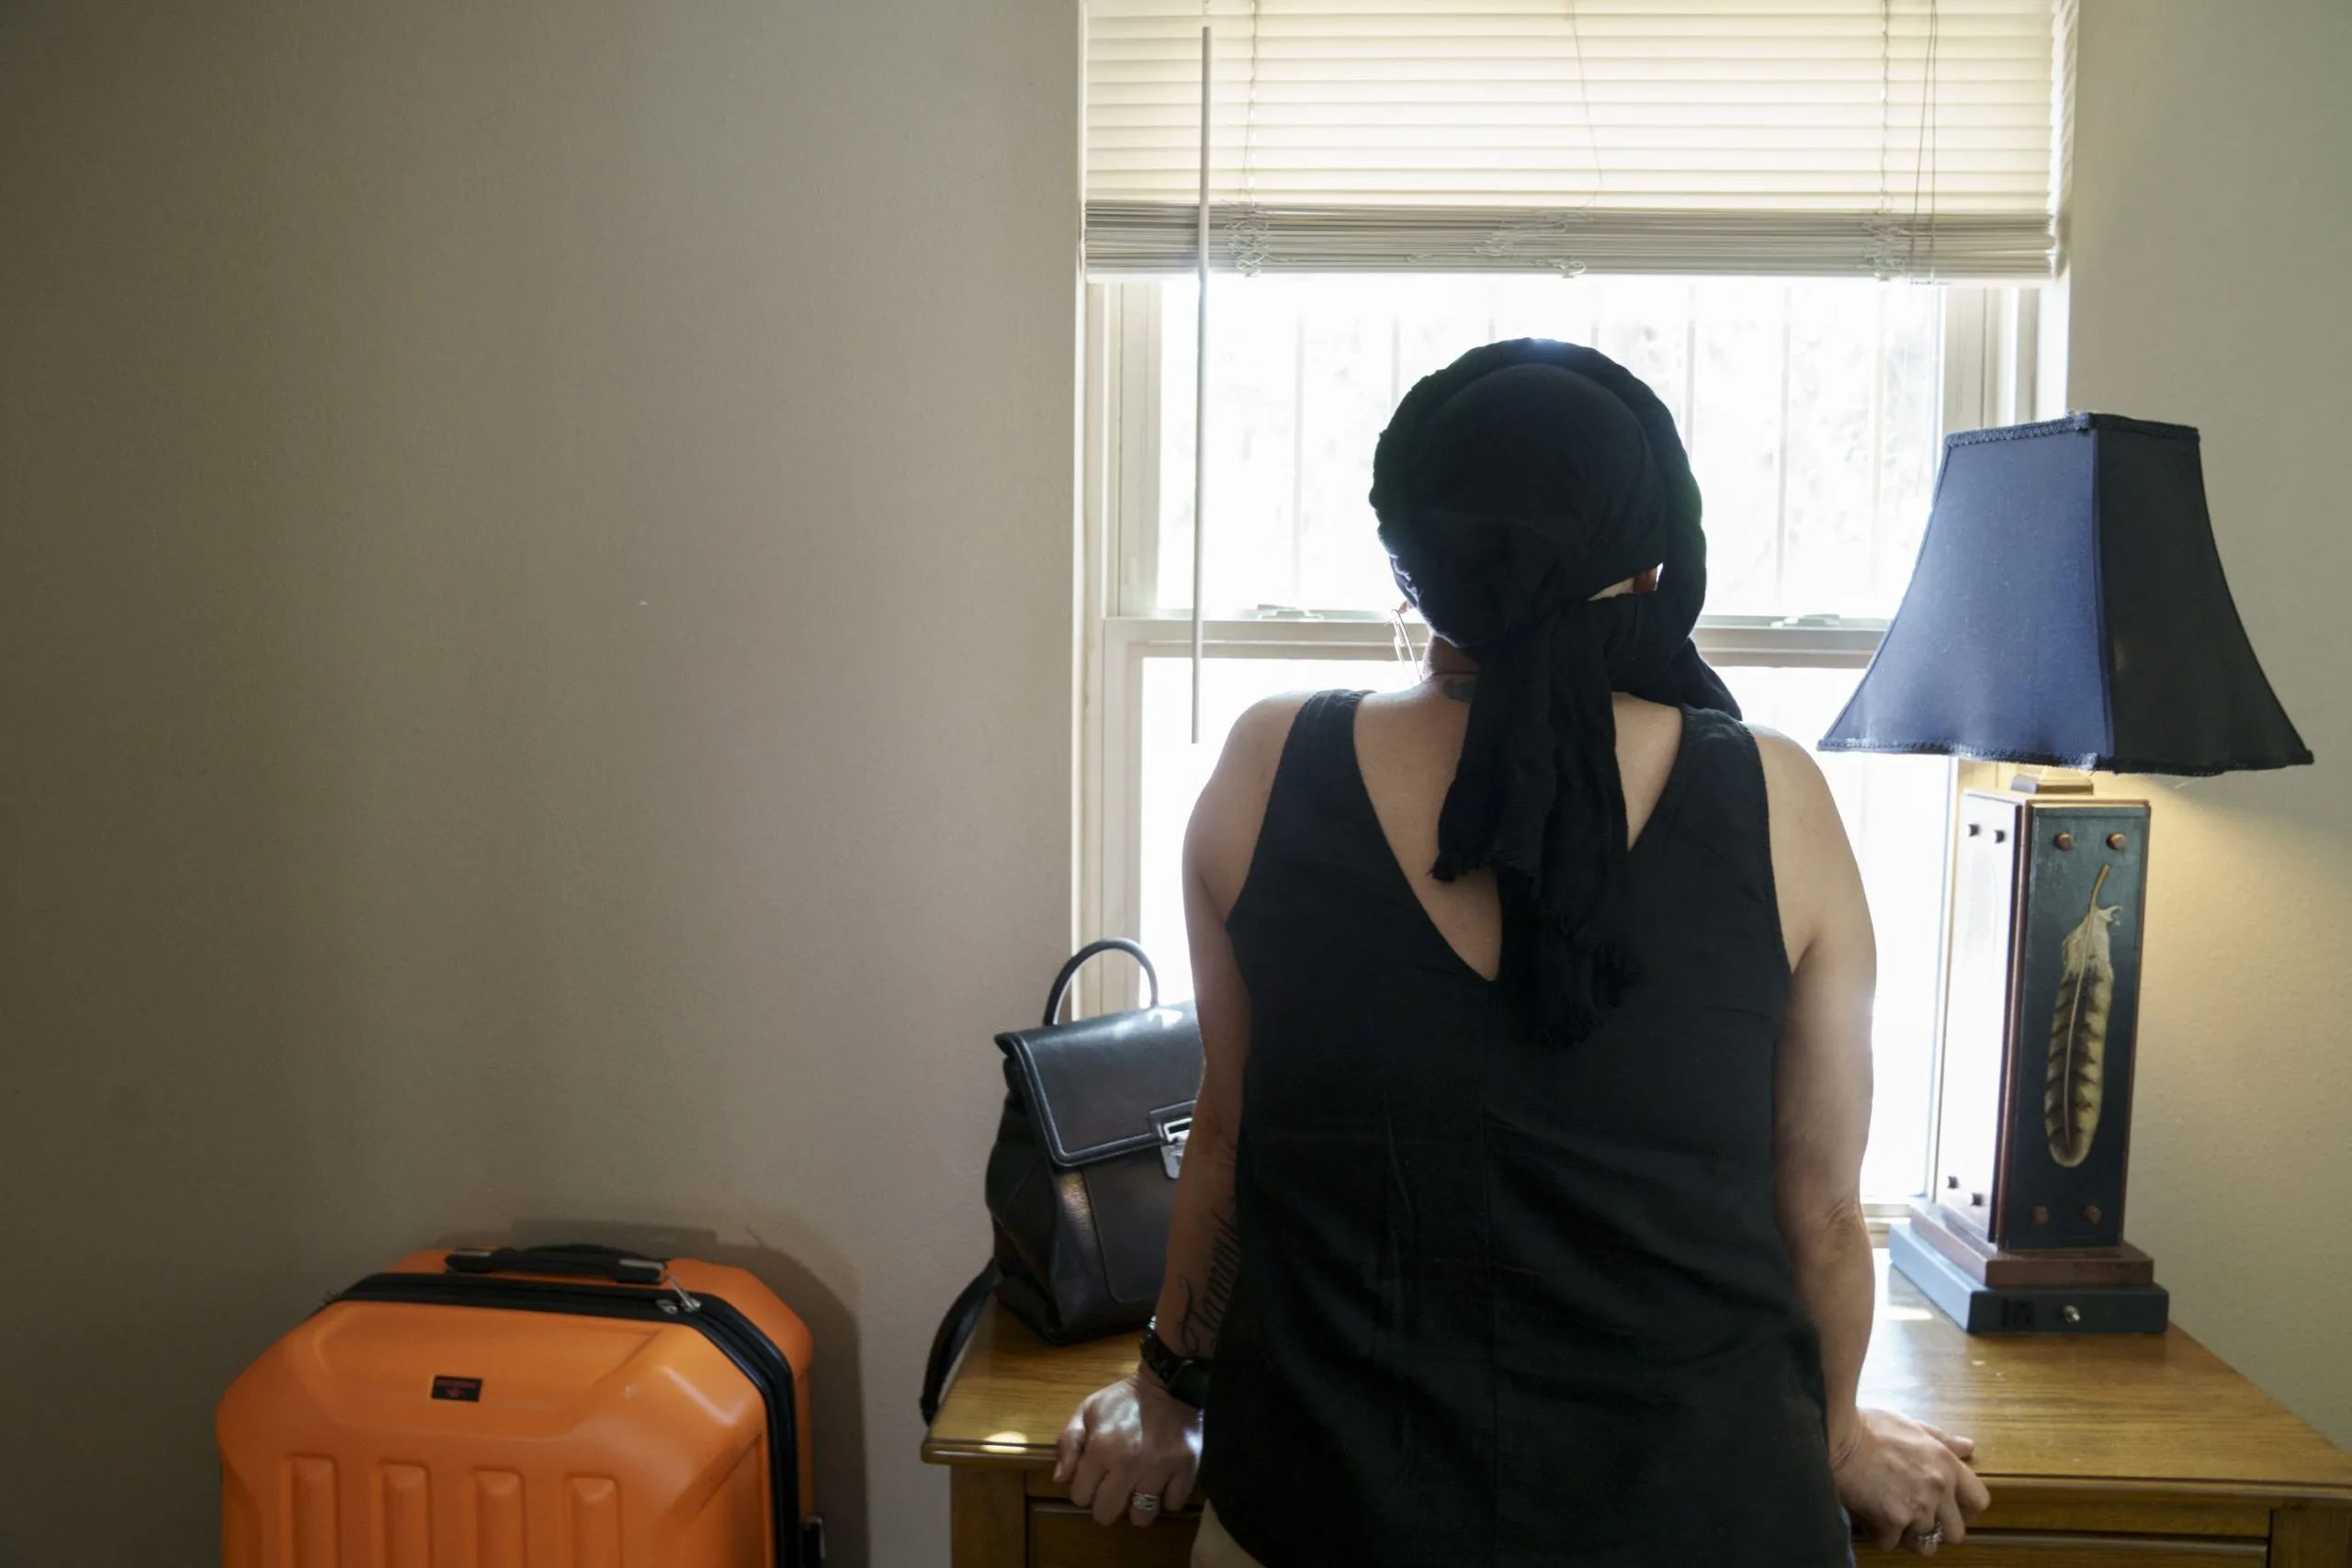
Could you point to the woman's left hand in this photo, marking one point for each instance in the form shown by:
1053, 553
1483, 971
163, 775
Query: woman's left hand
1907, 1482
1128, 1439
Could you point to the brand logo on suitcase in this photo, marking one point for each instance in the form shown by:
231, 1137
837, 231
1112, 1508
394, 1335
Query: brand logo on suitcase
466, 1390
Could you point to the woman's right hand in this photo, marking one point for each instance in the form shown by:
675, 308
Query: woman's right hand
1128, 1437
1898, 1476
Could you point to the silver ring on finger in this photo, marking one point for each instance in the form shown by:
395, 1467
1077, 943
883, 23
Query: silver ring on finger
1929, 1536
1143, 1502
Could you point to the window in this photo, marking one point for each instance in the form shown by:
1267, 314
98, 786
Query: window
1737, 201
1813, 408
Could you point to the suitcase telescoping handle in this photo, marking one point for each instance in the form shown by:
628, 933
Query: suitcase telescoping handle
582, 1258
1077, 961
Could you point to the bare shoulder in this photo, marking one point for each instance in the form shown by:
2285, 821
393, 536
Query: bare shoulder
1223, 836
1259, 735
1813, 861
1253, 750
1792, 781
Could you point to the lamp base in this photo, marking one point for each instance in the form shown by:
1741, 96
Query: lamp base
1965, 1247
2034, 1097
1980, 1308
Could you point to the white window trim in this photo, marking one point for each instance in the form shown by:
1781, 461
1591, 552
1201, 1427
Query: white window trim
1989, 369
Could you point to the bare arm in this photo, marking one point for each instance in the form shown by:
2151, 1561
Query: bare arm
1894, 1475
1203, 1248
1134, 1436
1821, 1116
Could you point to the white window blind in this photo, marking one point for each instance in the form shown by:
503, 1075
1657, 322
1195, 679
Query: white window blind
1873, 138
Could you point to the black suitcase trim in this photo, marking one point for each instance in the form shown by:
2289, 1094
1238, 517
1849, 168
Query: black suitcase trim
797, 1544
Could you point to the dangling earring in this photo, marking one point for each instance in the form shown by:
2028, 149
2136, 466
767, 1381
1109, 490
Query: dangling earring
1400, 636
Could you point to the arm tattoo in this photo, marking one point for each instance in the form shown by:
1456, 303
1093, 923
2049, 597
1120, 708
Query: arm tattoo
1460, 688
1204, 1308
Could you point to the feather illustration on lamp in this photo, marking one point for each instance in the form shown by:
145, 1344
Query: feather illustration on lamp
2078, 1034
2068, 611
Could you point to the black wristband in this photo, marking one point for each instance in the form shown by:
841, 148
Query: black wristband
1186, 1377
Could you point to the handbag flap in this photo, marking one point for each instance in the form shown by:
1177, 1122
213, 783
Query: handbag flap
1108, 1085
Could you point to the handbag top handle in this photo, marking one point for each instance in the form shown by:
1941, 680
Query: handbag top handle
1077, 961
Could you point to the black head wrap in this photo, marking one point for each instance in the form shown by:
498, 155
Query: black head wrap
1511, 487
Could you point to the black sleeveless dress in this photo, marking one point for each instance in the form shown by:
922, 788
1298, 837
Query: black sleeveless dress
1503, 1303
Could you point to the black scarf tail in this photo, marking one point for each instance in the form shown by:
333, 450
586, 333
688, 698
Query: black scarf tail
1513, 487
1537, 796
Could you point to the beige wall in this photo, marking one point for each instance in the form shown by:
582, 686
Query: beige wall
535, 587
2212, 245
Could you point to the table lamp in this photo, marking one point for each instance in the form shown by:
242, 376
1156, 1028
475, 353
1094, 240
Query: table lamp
2068, 612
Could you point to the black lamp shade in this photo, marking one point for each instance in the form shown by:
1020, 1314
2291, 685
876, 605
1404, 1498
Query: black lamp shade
2069, 609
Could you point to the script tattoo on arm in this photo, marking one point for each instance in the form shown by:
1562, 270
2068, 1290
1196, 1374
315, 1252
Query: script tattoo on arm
1204, 1307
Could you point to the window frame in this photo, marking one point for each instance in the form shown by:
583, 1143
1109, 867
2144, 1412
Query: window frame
1989, 361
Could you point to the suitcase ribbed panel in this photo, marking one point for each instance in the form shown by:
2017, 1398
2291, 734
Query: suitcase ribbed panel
403, 1517
310, 1512
498, 1519
595, 1523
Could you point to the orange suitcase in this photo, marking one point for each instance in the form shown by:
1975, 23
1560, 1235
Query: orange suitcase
550, 1407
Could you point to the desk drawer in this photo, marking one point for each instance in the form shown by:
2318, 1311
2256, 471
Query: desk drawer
1064, 1536
2036, 1549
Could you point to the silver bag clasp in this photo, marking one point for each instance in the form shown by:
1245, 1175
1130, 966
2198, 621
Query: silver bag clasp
1175, 1130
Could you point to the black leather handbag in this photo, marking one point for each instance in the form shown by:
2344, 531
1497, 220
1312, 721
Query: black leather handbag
1083, 1179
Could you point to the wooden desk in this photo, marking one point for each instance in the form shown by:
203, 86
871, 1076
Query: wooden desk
2101, 1452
